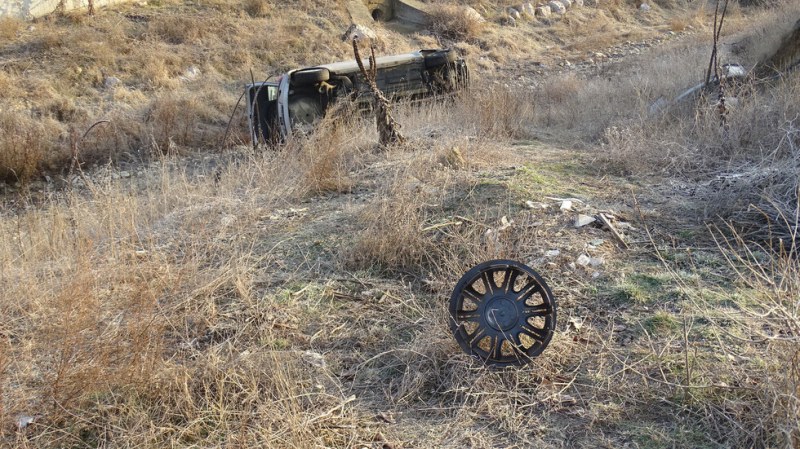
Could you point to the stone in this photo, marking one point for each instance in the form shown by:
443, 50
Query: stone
513, 13
191, 73
567, 3
314, 358
473, 14
528, 9
509, 21
542, 11
566, 205
556, 7
583, 260
358, 32
644, 7
577, 3
584, 220
552, 253
124, 174
111, 82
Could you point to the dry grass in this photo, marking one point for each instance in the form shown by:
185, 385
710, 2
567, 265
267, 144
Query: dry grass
455, 23
296, 298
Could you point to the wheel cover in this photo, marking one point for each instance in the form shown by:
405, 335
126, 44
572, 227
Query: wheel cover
502, 312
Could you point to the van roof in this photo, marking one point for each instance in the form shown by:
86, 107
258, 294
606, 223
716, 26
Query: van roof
345, 67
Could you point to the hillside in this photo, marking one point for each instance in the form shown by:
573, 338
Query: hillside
165, 288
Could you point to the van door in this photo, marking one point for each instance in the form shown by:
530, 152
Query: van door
262, 107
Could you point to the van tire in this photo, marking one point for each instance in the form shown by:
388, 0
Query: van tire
310, 76
439, 58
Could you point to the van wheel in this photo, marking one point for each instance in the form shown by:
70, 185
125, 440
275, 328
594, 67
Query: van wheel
439, 58
310, 76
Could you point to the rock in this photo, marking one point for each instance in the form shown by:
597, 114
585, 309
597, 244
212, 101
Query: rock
584, 220
528, 9
658, 106
566, 205
567, 3
644, 7
583, 260
111, 82
577, 3
124, 174
191, 73
596, 261
473, 14
360, 32
597, 242
513, 13
509, 21
314, 358
552, 253
556, 7
542, 11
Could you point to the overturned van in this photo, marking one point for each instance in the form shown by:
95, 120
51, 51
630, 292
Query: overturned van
294, 101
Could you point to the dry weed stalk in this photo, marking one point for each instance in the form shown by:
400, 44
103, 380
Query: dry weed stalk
388, 128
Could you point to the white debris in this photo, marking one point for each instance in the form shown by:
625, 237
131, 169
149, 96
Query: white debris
583, 260
504, 224
566, 205
314, 358
552, 253
584, 220
24, 421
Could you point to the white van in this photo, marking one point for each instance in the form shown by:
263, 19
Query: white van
297, 99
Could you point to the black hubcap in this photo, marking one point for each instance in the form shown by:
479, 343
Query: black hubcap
502, 312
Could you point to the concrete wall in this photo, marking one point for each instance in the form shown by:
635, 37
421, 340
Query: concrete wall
385, 8
28, 9
411, 11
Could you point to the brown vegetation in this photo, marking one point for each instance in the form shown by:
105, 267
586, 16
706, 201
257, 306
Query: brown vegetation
297, 298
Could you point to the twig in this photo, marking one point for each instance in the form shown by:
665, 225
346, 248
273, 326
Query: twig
607, 223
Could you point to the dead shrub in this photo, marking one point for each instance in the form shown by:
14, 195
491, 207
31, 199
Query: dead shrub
9, 27
331, 151
25, 147
394, 238
765, 366
178, 29
256, 8
498, 112
455, 22
181, 119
